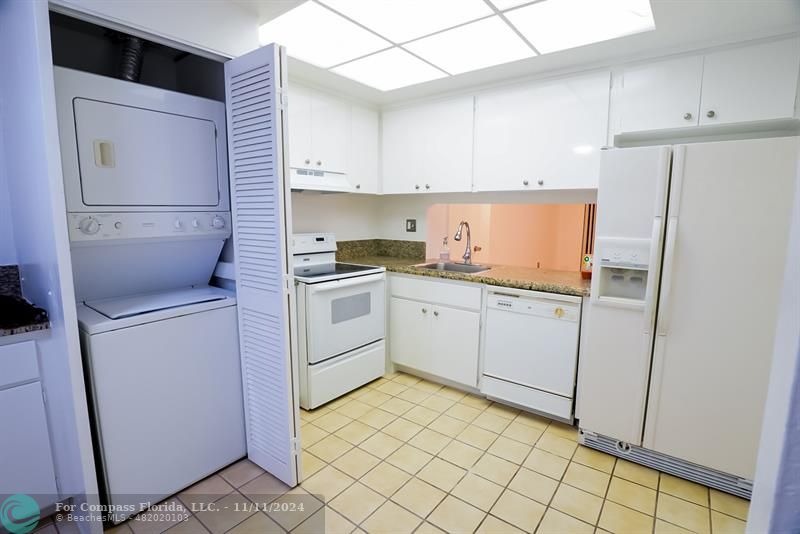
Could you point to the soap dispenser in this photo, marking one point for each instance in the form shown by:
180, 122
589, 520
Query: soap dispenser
444, 254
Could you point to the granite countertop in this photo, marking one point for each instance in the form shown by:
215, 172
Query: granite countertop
561, 282
17, 315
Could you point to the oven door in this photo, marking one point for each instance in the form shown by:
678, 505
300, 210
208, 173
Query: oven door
345, 314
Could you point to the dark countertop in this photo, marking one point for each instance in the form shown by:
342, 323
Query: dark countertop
561, 282
17, 315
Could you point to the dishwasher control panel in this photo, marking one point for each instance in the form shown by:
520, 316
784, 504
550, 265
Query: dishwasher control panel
541, 307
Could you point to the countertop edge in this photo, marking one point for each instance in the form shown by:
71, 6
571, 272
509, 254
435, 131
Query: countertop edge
408, 266
21, 334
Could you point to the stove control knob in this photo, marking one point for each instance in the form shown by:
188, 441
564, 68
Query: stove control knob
195, 223
178, 224
89, 226
218, 223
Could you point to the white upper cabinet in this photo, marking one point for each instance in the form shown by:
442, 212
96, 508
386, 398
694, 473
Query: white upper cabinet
544, 135
428, 148
330, 132
299, 127
753, 83
319, 130
661, 95
363, 162
750, 83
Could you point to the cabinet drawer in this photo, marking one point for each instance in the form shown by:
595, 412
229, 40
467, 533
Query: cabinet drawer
449, 294
18, 363
340, 375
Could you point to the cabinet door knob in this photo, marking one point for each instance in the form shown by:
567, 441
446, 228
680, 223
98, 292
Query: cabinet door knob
540, 182
525, 182
308, 161
427, 186
424, 310
711, 114
436, 314
358, 186
416, 186
687, 116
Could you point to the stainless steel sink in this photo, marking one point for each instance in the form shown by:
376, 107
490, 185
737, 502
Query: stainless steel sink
456, 267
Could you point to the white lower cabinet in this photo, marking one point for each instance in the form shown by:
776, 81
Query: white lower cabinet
438, 340
434, 328
26, 445
27, 465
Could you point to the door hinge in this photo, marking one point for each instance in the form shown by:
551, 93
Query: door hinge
296, 446
287, 283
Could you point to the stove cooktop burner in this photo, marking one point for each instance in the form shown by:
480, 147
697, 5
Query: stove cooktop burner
331, 271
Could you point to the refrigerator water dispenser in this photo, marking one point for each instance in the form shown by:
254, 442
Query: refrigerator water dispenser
622, 268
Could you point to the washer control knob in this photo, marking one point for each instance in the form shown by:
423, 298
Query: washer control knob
195, 223
89, 226
178, 224
218, 222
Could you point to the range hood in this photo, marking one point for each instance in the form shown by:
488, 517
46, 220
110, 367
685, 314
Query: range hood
315, 180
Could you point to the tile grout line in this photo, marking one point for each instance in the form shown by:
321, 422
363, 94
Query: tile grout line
484, 451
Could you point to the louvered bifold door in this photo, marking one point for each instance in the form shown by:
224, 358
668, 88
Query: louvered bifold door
264, 286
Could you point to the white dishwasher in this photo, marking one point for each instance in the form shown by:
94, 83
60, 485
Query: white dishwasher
531, 350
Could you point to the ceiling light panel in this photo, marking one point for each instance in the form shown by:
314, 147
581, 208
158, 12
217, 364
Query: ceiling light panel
502, 5
389, 70
317, 35
473, 46
404, 20
553, 25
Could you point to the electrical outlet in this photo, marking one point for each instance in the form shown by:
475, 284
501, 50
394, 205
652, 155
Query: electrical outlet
411, 225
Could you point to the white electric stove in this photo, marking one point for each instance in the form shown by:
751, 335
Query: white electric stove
341, 320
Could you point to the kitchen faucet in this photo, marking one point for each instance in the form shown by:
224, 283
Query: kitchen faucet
468, 252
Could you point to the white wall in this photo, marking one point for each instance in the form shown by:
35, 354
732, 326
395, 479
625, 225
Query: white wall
217, 26
32, 161
350, 217
8, 253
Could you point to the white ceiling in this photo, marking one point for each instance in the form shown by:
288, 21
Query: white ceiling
681, 25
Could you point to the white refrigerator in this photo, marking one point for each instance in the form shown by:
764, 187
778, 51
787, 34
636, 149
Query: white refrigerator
689, 257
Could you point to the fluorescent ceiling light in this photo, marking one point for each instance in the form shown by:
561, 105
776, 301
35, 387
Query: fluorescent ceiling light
583, 150
319, 36
502, 5
473, 46
388, 44
553, 25
403, 20
389, 70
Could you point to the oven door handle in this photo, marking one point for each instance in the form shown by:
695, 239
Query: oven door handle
346, 282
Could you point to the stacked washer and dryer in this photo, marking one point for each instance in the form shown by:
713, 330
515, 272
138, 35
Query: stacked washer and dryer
146, 185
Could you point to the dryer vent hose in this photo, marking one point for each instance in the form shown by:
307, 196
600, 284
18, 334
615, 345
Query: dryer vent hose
130, 65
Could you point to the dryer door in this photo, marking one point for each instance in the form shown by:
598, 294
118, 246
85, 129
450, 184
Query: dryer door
130, 156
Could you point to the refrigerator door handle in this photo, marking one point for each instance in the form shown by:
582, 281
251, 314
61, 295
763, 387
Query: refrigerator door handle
666, 280
652, 279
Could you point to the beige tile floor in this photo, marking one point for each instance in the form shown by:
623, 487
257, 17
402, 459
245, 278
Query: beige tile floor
407, 455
